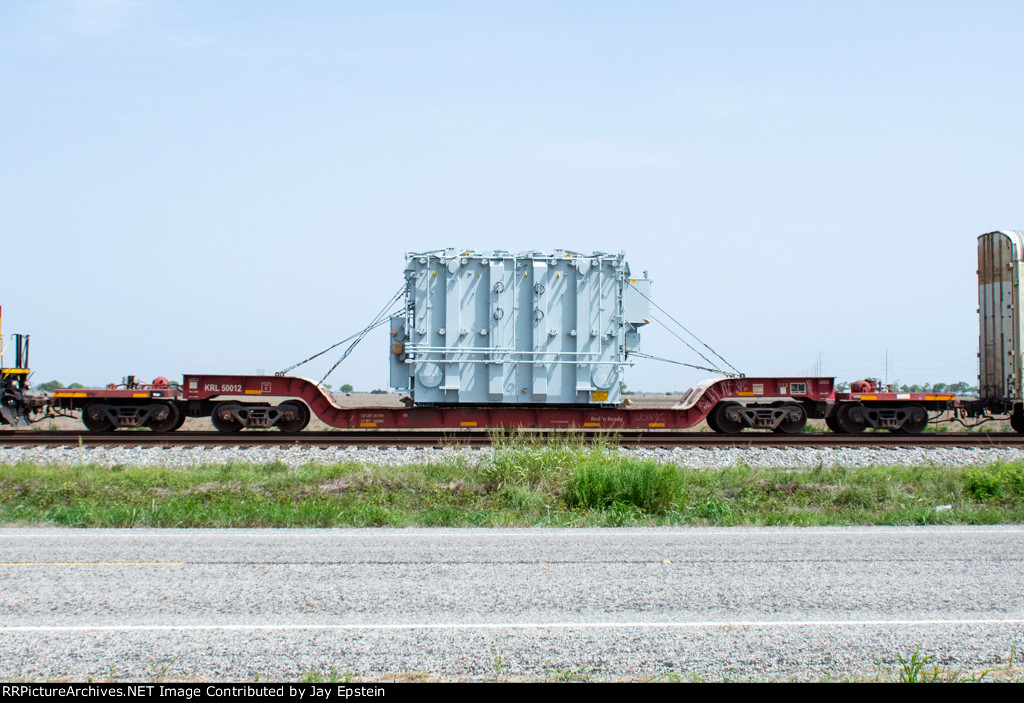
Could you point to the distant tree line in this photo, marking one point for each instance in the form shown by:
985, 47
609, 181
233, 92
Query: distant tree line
347, 388
960, 388
54, 385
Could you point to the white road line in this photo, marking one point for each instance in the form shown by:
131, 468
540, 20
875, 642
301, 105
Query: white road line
723, 624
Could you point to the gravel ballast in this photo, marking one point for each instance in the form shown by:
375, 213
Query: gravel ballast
769, 457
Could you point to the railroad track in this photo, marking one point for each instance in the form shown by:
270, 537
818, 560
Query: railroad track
433, 438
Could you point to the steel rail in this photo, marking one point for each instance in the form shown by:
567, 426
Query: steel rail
477, 437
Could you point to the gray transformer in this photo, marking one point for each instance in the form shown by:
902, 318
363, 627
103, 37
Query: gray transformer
516, 329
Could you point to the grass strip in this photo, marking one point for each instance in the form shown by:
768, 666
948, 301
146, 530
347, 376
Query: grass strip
520, 485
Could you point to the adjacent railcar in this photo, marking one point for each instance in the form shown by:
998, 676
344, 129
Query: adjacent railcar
1001, 333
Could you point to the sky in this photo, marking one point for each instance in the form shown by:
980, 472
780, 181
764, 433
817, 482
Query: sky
196, 187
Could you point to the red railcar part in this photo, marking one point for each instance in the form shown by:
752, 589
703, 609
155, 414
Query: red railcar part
84, 394
888, 397
693, 408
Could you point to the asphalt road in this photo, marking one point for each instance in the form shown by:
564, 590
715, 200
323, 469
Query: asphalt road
603, 603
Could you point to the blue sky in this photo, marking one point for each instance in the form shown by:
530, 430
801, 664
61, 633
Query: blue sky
226, 187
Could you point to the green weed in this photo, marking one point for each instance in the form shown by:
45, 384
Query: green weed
599, 484
995, 482
913, 670
570, 674
497, 660
332, 676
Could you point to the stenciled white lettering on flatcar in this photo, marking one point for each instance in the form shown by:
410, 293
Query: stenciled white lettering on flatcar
223, 388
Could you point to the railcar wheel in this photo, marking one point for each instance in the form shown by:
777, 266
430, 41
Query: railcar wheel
181, 421
164, 418
223, 420
1017, 422
795, 420
710, 419
916, 421
852, 418
832, 422
725, 423
95, 420
300, 416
